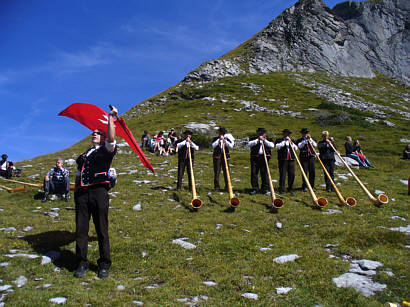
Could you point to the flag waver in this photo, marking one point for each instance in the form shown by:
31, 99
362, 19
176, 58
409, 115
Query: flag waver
94, 118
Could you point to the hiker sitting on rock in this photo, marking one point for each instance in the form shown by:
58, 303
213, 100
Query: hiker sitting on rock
6, 167
57, 181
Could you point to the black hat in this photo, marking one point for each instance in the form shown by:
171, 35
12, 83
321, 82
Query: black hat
286, 131
222, 130
188, 132
261, 131
4, 156
304, 130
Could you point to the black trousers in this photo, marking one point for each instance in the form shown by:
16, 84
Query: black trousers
182, 164
57, 187
308, 165
286, 167
92, 202
330, 167
218, 165
258, 164
6, 173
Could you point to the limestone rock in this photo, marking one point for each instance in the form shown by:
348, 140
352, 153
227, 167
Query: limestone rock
286, 258
252, 296
356, 39
361, 283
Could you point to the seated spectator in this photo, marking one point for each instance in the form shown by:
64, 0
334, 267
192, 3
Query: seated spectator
158, 138
350, 152
358, 151
145, 140
162, 144
57, 181
172, 135
6, 167
406, 153
112, 174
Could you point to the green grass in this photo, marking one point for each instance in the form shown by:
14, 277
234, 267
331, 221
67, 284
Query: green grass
227, 254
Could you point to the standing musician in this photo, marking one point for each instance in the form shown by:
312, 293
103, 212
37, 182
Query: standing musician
307, 157
286, 160
183, 158
91, 197
327, 155
218, 159
258, 161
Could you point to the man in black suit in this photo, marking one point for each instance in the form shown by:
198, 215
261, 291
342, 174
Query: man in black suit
307, 157
327, 155
218, 159
258, 163
286, 160
183, 158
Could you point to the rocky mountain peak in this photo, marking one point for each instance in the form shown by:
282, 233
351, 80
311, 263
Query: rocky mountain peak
352, 39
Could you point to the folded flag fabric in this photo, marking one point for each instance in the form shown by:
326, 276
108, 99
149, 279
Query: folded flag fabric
94, 118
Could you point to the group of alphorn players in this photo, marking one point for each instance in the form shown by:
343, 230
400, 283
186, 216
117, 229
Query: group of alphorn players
260, 154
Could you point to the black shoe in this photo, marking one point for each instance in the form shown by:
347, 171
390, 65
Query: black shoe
328, 190
67, 198
314, 189
80, 271
304, 189
280, 190
252, 192
266, 192
103, 273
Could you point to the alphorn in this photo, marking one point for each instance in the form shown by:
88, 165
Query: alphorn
234, 202
34, 185
320, 202
277, 203
380, 200
10, 190
350, 202
196, 203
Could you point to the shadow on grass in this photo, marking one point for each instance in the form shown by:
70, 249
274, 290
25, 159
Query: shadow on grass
50, 243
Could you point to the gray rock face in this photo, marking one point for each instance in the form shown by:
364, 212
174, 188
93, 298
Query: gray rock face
354, 39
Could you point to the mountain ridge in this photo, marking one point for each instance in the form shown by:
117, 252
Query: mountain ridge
357, 39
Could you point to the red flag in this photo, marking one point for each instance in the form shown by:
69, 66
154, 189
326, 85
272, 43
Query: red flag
94, 118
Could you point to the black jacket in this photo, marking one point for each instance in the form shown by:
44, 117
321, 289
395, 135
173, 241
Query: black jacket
94, 168
255, 149
283, 152
349, 148
326, 152
218, 150
183, 151
306, 151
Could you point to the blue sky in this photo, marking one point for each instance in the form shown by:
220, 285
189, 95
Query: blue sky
54, 53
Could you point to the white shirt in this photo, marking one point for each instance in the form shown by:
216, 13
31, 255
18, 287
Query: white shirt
305, 141
185, 143
266, 143
285, 143
4, 166
230, 144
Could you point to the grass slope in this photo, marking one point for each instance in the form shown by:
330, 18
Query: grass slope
141, 241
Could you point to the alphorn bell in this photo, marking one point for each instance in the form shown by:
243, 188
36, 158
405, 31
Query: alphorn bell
277, 203
350, 202
234, 202
380, 200
320, 202
196, 203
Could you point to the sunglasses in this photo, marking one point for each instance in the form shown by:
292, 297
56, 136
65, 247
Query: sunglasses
96, 133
